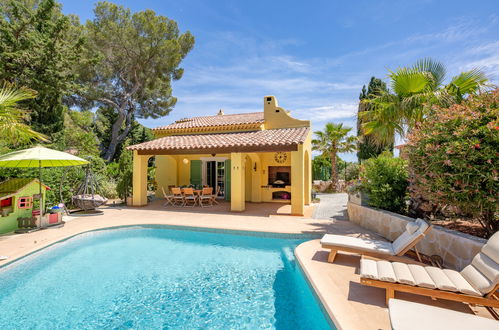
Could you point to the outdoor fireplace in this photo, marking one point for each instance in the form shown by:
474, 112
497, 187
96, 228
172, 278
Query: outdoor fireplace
284, 195
279, 176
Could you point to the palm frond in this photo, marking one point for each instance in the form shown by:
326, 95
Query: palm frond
435, 68
406, 81
468, 82
13, 118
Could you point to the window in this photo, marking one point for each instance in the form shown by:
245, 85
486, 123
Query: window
25, 202
6, 202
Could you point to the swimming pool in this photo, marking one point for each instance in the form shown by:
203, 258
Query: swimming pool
153, 277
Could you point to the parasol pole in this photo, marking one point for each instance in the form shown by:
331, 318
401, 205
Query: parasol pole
41, 196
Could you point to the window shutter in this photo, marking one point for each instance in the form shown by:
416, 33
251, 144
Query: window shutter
196, 175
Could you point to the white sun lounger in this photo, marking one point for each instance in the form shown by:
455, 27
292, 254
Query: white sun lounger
415, 231
405, 315
477, 283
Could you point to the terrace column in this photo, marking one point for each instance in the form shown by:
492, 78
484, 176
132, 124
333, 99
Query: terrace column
308, 178
297, 181
237, 189
139, 191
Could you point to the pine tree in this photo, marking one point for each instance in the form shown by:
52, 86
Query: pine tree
39, 47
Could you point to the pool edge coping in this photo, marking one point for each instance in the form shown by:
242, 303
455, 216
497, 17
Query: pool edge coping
315, 289
173, 227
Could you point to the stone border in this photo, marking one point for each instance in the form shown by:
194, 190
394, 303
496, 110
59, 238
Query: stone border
456, 249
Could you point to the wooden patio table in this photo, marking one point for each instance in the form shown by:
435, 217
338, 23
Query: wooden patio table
196, 192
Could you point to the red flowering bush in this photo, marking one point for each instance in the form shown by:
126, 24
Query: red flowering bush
454, 159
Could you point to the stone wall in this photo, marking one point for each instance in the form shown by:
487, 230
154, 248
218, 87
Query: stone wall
456, 248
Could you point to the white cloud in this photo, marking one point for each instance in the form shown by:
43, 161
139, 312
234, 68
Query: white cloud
484, 57
458, 31
330, 112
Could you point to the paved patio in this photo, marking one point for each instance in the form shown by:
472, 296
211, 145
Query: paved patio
351, 305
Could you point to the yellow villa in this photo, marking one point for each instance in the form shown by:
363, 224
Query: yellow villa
249, 157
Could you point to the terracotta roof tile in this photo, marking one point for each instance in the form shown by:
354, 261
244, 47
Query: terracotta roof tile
218, 120
282, 139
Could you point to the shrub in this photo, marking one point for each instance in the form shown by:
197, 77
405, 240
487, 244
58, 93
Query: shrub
454, 156
385, 180
352, 171
108, 189
125, 170
321, 168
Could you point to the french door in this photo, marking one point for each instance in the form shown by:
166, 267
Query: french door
215, 176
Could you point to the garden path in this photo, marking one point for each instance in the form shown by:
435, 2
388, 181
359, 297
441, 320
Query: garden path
332, 206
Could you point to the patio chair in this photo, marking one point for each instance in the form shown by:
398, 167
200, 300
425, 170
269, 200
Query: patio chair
477, 283
168, 197
215, 195
404, 313
178, 197
190, 199
206, 197
414, 232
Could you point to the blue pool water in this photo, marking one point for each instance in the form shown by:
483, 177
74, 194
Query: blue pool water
143, 278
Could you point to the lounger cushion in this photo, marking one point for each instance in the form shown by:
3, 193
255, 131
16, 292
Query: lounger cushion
460, 282
361, 244
487, 267
411, 227
409, 235
386, 272
491, 249
482, 274
440, 279
369, 269
405, 315
416, 275
477, 280
403, 273
421, 277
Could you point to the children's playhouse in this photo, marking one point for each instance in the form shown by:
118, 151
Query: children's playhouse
17, 197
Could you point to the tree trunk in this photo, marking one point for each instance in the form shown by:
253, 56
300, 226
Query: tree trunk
116, 137
334, 171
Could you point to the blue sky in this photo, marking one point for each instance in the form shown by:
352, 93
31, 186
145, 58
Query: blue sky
314, 56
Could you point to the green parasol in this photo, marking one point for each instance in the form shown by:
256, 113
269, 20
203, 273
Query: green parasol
40, 157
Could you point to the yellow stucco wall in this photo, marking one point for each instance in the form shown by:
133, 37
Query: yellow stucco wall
249, 171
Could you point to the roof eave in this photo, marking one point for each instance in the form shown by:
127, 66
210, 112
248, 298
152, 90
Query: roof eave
218, 150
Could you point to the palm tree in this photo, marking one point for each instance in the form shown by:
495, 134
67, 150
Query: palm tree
414, 91
332, 140
12, 117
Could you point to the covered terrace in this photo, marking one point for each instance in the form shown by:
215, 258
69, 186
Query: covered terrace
247, 164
